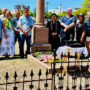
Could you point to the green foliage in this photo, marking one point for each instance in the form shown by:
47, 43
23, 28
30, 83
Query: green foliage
0, 11
30, 13
21, 12
13, 15
81, 10
58, 60
61, 14
86, 4
48, 15
37, 54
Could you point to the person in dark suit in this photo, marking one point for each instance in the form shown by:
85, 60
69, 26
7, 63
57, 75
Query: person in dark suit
54, 32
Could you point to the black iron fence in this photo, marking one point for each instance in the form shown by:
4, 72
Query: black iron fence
70, 75
15, 83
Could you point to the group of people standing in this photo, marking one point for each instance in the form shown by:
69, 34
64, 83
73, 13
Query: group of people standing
19, 28
69, 27
13, 29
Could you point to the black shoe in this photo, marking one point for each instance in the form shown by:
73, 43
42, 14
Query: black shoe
27, 53
82, 56
22, 56
6, 56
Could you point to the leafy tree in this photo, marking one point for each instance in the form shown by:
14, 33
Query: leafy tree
30, 13
0, 11
81, 10
61, 14
21, 12
13, 15
86, 4
48, 15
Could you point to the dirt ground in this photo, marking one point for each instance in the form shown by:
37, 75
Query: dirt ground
19, 65
15, 64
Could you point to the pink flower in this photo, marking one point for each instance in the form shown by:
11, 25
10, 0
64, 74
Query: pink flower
48, 59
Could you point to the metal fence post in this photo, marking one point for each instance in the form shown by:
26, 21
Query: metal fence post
24, 75
6, 76
31, 75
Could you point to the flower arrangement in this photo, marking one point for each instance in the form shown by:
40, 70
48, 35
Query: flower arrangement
48, 59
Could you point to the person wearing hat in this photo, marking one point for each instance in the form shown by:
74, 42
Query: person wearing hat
88, 35
81, 28
54, 32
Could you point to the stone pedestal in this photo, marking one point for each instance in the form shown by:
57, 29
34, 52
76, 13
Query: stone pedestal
40, 12
40, 39
41, 47
40, 34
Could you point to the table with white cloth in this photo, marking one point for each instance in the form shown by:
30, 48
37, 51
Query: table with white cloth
65, 49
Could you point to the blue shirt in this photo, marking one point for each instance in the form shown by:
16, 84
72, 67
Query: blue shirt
25, 23
67, 21
88, 28
15, 21
0, 28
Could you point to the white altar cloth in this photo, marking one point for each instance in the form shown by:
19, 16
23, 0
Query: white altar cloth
64, 49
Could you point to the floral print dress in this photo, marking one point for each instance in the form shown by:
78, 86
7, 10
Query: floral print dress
8, 45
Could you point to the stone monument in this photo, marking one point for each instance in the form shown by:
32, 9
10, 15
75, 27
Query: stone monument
40, 34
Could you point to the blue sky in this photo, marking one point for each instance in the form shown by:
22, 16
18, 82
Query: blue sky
53, 4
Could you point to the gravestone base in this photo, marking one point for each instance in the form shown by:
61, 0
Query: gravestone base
40, 39
40, 47
40, 34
